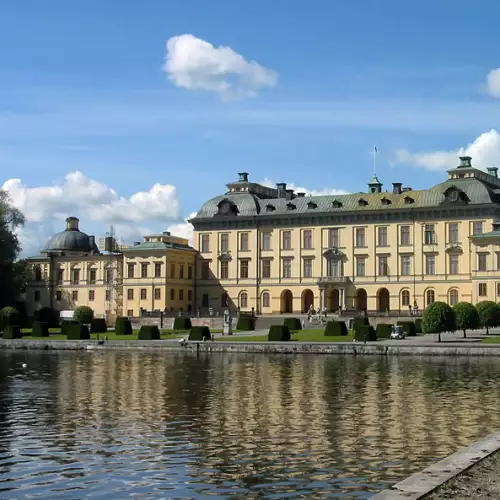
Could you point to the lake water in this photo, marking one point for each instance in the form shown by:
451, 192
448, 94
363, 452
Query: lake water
120, 425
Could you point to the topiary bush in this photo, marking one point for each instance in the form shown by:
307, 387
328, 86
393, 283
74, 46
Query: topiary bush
200, 333
335, 329
149, 332
40, 329
48, 315
98, 325
182, 323
77, 331
245, 323
123, 326
489, 314
293, 323
418, 325
9, 316
383, 331
438, 317
67, 325
279, 333
360, 321
83, 314
365, 333
467, 317
409, 328
12, 332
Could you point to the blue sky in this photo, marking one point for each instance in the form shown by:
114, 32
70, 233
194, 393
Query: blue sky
82, 87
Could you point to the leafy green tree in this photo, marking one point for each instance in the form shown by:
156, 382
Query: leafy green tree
438, 317
83, 314
9, 316
489, 314
467, 317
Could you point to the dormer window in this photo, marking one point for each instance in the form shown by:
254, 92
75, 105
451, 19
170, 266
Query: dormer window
290, 206
409, 200
336, 204
362, 202
270, 208
311, 205
386, 201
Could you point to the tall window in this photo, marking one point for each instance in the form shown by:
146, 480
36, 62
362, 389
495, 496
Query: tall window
60, 275
224, 270
109, 276
360, 237
224, 299
59, 295
334, 237
204, 300
92, 276
481, 261
157, 293
286, 240
181, 271
205, 270
144, 293
181, 294
157, 270
430, 264
383, 266
405, 239
382, 236
405, 265
172, 270
307, 239
74, 295
91, 295
453, 297
287, 268
453, 233
335, 268
190, 272
205, 243
144, 270
190, 295
243, 242
172, 294
360, 266
266, 240
405, 298
477, 228
498, 261
430, 297
482, 290
244, 269
266, 268
107, 295
130, 271
243, 300
266, 299
453, 264
224, 242
38, 273
430, 234
130, 294
75, 276
308, 268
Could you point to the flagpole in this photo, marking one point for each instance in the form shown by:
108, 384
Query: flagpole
375, 161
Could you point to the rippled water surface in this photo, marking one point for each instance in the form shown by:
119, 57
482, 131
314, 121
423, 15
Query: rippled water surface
120, 425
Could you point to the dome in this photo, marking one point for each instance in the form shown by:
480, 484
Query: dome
71, 240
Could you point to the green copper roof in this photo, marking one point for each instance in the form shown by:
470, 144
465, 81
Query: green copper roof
375, 181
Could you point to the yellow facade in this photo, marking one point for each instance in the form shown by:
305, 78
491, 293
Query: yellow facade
277, 251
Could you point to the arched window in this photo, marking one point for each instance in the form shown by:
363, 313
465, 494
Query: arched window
266, 299
405, 298
224, 299
243, 300
453, 297
38, 273
430, 297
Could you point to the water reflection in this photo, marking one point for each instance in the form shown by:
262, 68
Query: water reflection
82, 425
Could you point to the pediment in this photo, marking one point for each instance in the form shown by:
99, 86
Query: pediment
333, 253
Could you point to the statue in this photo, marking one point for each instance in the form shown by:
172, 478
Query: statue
227, 325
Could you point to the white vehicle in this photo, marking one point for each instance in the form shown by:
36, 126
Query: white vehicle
65, 315
397, 333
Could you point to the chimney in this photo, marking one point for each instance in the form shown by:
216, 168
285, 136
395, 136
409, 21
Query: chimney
281, 187
243, 176
72, 224
465, 162
301, 195
289, 194
493, 171
396, 187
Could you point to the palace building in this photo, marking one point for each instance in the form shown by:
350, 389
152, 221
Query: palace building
277, 251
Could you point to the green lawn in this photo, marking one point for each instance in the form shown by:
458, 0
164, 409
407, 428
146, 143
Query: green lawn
491, 340
55, 334
299, 336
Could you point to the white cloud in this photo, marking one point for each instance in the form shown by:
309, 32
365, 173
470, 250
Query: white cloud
484, 150
183, 229
493, 82
309, 192
195, 64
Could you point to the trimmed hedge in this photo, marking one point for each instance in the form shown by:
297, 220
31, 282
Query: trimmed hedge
182, 323
98, 325
200, 333
12, 332
123, 326
383, 331
360, 321
293, 323
336, 329
279, 333
83, 314
48, 315
149, 332
67, 325
40, 329
245, 323
77, 331
409, 328
365, 332
9, 316
418, 325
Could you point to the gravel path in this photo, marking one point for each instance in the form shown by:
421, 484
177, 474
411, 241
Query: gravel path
480, 481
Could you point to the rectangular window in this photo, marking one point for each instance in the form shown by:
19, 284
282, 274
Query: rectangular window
37, 295
333, 237
91, 295
382, 236
266, 241
190, 272
130, 271
172, 270
92, 276
224, 242
130, 294
430, 264
243, 242
224, 270
286, 240
481, 261
75, 277
405, 265
405, 239
335, 268
498, 261
244, 269
190, 295
74, 295
181, 271
429, 234
360, 237
287, 268
266, 268
109, 276
205, 270
181, 294
477, 228
205, 243
60, 276
453, 264
144, 270
498, 289
108, 295
453, 233
307, 239
308, 268
204, 300
360, 266
172, 293
482, 290
58, 295
383, 266
130, 313
157, 270
144, 294
157, 293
